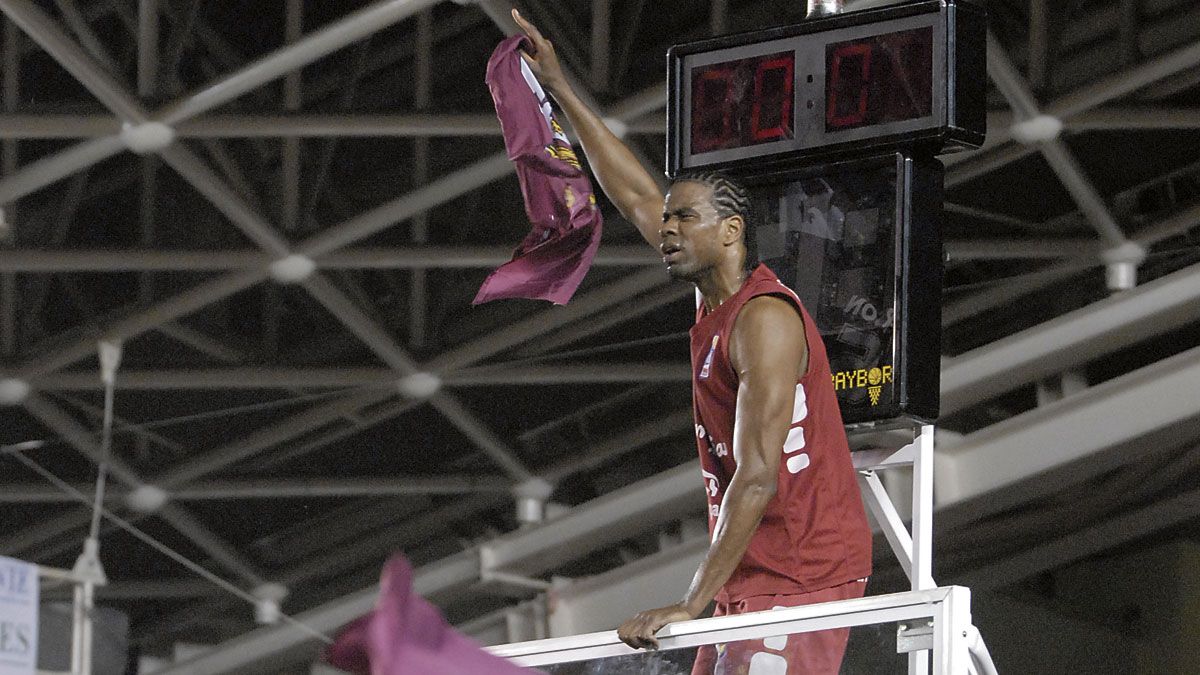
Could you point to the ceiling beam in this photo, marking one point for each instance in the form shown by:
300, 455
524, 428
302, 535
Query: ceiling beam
413, 257
1071, 340
379, 341
1039, 443
101, 82
1022, 249
645, 281
1016, 91
312, 47
83, 440
614, 316
999, 150
253, 378
1136, 118
1126, 527
381, 543
655, 500
441, 257
281, 488
142, 589
1026, 283
147, 47
1040, 48
203, 463
365, 225
200, 463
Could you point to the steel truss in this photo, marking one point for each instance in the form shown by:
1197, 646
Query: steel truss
969, 379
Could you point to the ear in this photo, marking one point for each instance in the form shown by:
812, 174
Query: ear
731, 230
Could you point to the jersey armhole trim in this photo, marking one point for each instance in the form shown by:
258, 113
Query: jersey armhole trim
795, 305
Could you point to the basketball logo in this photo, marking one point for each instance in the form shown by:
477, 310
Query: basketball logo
707, 368
874, 378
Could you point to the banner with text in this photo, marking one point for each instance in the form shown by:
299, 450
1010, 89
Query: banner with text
18, 617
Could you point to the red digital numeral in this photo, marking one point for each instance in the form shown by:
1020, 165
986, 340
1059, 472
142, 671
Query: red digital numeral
713, 93
785, 65
856, 115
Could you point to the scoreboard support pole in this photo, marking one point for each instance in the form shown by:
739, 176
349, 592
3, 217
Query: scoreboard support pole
913, 547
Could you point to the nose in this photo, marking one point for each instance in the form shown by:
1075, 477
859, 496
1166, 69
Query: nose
669, 227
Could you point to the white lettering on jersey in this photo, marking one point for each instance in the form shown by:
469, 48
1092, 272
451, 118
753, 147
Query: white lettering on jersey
712, 482
708, 360
800, 405
766, 663
798, 463
795, 439
778, 642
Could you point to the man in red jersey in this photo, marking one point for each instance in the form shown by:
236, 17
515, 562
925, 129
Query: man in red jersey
787, 522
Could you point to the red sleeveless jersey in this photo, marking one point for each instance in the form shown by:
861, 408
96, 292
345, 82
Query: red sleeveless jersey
814, 534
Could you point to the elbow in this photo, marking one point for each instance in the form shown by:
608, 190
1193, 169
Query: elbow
762, 484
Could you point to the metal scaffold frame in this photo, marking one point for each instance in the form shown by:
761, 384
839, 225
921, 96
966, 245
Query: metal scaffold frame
913, 547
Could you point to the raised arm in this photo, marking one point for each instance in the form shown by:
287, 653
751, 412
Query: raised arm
768, 350
622, 177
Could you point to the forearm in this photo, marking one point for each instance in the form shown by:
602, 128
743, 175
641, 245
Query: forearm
742, 508
620, 174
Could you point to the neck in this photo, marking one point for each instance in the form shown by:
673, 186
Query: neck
720, 284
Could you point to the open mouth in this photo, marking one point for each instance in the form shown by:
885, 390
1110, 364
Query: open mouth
669, 252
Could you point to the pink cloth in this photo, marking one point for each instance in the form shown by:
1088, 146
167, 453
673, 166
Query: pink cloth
559, 201
405, 635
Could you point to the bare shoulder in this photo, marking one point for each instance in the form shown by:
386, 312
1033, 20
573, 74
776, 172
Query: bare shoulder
767, 327
767, 312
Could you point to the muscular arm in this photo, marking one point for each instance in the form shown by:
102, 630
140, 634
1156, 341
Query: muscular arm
622, 177
768, 349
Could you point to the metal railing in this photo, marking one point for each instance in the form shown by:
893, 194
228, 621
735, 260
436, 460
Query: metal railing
936, 620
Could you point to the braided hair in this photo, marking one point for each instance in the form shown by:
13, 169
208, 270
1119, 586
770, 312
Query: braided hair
729, 198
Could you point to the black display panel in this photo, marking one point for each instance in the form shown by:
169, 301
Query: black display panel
877, 80
743, 102
860, 244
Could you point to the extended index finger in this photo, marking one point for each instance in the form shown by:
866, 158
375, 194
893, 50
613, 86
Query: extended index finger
530, 29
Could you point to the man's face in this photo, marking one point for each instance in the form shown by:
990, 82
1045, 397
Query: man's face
693, 235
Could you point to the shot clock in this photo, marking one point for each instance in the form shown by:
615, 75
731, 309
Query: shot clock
834, 125
900, 76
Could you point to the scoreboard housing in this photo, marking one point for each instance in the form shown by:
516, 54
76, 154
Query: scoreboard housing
834, 125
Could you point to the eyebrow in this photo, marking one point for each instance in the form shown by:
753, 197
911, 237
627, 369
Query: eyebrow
681, 211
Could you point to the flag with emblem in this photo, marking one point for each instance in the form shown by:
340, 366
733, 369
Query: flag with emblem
565, 221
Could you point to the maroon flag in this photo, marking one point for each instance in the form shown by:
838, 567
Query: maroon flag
559, 201
405, 635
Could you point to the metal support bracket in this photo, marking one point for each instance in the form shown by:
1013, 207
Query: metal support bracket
875, 452
916, 637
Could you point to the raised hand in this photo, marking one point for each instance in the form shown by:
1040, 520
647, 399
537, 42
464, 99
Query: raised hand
543, 61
